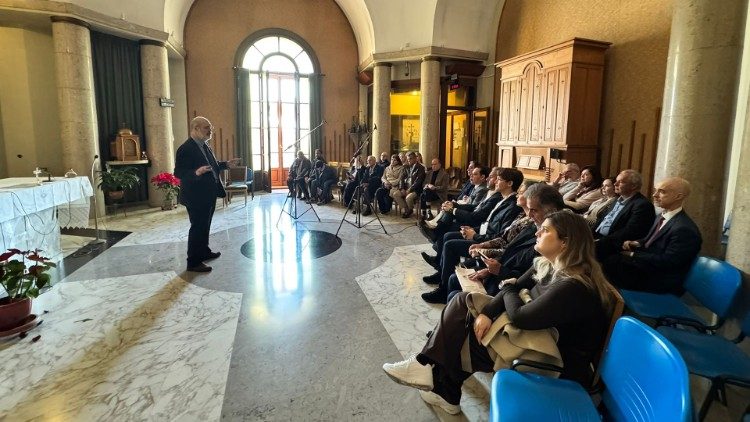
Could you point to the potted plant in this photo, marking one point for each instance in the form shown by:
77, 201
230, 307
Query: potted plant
116, 181
21, 284
170, 185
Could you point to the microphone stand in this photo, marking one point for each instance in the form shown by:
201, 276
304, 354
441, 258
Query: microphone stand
296, 143
98, 240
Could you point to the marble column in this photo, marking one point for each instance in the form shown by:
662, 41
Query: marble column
75, 96
705, 48
739, 234
429, 85
157, 120
381, 108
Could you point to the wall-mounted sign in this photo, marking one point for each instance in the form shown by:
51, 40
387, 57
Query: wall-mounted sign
166, 102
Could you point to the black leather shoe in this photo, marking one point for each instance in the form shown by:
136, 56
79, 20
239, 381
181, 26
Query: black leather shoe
429, 215
436, 296
432, 260
200, 268
427, 232
432, 279
368, 211
212, 255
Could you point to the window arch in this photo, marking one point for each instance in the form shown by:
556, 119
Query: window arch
278, 101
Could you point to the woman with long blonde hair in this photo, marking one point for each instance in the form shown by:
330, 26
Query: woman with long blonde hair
568, 292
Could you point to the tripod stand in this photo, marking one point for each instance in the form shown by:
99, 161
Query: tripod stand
357, 202
293, 208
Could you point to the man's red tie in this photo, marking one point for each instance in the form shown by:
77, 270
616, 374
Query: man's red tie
656, 231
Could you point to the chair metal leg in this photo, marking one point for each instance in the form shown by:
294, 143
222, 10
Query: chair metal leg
710, 396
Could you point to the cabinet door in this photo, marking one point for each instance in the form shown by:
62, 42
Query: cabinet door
561, 112
504, 120
550, 104
514, 109
525, 104
536, 110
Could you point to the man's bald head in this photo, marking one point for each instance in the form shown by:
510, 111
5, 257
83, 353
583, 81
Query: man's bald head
670, 193
201, 129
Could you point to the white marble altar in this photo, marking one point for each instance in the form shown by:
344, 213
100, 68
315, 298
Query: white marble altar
31, 213
146, 347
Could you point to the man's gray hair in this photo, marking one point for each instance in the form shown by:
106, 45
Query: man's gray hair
549, 198
411, 154
634, 178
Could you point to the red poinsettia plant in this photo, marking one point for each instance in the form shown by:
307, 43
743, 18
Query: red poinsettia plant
20, 281
168, 183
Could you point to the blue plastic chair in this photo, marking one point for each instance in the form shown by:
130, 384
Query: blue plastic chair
713, 357
713, 283
645, 379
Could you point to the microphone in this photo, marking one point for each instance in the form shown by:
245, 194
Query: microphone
374, 126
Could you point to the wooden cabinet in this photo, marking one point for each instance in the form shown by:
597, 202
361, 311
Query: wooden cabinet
551, 98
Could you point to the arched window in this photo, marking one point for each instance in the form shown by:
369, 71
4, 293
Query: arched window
277, 93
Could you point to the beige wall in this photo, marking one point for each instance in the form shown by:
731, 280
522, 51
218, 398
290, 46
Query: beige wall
635, 63
179, 95
28, 103
215, 29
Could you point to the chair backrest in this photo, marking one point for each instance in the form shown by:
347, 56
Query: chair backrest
714, 284
238, 174
618, 307
644, 375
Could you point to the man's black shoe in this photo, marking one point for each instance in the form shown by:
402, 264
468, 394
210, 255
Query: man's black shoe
427, 232
200, 268
432, 279
432, 260
436, 296
368, 211
407, 214
429, 215
212, 255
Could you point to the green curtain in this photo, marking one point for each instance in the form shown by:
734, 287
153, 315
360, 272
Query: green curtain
119, 100
316, 112
243, 146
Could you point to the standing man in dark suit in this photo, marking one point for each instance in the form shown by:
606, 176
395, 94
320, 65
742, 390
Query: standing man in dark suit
198, 171
659, 261
630, 217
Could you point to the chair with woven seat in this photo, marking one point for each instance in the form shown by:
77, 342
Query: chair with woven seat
713, 357
236, 182
711, 282
644, 377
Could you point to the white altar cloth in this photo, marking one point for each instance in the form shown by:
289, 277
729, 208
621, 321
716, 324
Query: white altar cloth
31, 214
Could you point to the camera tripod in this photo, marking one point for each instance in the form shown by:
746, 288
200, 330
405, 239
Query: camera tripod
293, 209
357, 200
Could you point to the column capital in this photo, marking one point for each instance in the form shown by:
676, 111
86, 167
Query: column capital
376, 64
71, 20
431, 59
152, 42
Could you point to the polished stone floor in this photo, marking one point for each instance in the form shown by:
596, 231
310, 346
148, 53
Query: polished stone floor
292, 324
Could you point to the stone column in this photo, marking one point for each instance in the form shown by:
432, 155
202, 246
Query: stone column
705, 48
739, 233
381, 108
157, 120
74, 73
429, 85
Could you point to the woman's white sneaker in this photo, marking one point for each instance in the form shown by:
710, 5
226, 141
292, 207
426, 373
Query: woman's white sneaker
436, 400
411, 373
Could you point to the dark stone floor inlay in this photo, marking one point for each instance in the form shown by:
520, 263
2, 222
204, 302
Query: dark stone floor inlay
291, 245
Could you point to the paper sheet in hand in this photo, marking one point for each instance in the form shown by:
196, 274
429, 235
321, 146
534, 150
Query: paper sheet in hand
466, 284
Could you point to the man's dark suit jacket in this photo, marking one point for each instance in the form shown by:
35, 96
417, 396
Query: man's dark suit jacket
413, 180
477, 194
300, 168
501, 219
667, 260
372, 175
516, 260
466, 190
633, 222
474, 215
197, 190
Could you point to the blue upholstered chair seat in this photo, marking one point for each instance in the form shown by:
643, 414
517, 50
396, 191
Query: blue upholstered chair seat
652, 305
708, 356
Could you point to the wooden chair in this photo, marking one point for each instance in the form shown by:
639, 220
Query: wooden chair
454, 185
236, 182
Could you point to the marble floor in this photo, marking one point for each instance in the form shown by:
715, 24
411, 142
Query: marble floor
288, 334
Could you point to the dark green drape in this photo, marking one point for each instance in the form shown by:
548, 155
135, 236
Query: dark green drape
316, 112
117, 84
243, 146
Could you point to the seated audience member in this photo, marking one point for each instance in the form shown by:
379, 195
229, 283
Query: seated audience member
312, 180
519, 253
435, 188
319, 156
411, 185
468, 187
568, 292
384, 162
370, 183
516, 258
477, 192
455, 214
354, 177
588, 190
630, 217
599, 208
390, 182
659, 261
420, 160
299, 170
494, 248
567, 180
325, 181
402, 157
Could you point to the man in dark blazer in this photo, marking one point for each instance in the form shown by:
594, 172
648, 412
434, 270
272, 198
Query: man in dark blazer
198, 171
659, 261
411, 185
630, 217
370, 183
298, 173
435, 188
468, 187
